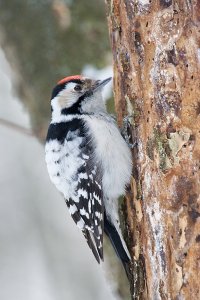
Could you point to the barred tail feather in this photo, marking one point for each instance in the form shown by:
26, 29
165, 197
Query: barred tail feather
98, 237
90, 242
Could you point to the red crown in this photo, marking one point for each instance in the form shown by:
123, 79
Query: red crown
69, 78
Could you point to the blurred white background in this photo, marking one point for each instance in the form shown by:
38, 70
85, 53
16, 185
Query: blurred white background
43, 256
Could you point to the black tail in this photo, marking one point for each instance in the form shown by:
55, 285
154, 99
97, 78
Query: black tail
115, 239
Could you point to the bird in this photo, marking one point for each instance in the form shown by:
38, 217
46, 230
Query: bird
88, 161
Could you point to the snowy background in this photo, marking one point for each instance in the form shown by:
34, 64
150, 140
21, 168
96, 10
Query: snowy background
43, 256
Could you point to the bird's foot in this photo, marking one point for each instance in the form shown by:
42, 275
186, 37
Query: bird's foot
127, 123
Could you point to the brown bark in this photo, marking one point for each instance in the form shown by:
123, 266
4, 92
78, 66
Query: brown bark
156, 53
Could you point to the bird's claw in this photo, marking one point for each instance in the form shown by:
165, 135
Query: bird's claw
127, 123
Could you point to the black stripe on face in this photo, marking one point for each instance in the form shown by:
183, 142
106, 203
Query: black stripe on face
76, 107
58, 88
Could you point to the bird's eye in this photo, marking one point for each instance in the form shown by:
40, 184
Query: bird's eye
78, 88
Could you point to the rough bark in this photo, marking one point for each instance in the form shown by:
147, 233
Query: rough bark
156, 53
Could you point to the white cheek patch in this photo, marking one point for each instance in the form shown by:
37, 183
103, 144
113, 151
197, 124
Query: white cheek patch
65, 99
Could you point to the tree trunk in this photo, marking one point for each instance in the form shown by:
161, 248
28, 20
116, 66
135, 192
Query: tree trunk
156, 53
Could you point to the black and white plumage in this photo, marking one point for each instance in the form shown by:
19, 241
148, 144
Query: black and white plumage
88, 161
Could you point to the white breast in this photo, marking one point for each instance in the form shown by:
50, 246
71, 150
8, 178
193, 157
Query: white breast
113, 153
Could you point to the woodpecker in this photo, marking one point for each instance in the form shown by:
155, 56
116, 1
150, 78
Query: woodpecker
88, 161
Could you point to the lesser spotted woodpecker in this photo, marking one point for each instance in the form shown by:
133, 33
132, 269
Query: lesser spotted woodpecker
88, 161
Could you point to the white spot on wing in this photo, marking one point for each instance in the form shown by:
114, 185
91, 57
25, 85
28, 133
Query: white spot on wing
96, 197
72, 209
82, 192
83, 212
98, 214
80, 224
99, 186
83, 176
89, 207
91, 176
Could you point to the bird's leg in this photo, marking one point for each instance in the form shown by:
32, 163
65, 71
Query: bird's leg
125, 131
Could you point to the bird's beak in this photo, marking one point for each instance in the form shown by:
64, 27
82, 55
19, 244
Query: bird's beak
99, 84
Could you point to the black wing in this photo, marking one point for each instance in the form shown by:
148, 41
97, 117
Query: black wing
88, 211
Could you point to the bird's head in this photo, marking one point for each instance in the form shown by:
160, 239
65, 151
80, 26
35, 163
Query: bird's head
77, 95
